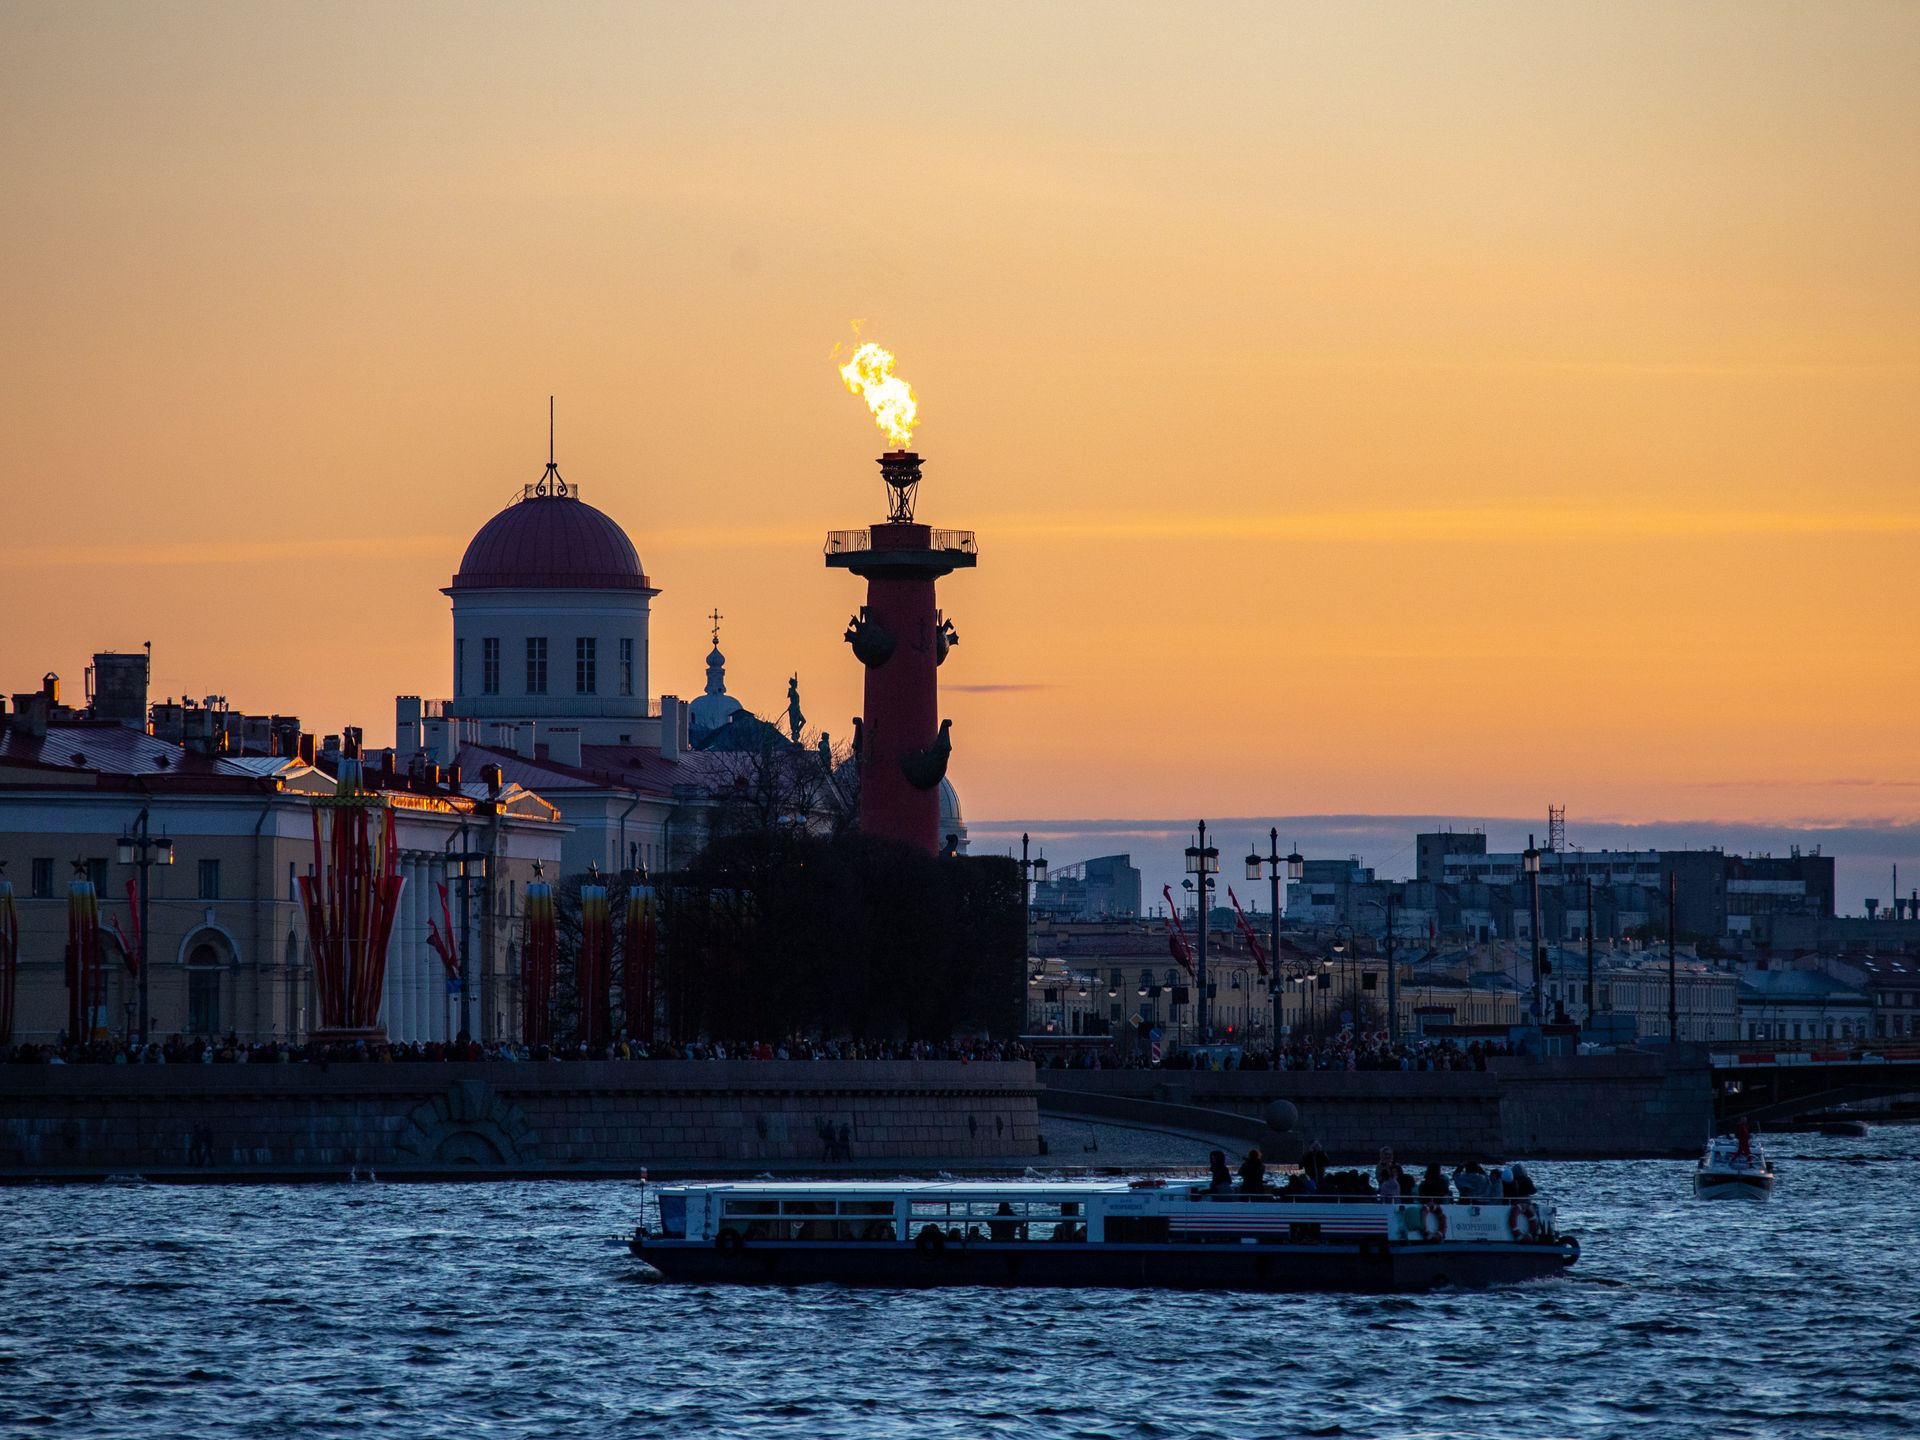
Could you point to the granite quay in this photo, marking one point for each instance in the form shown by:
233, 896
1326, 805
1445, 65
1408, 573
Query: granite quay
471, 1120
1587, 1107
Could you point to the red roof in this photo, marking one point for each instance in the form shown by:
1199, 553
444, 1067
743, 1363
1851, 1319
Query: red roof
550, 542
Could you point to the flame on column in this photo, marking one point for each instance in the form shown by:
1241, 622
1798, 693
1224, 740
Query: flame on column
869, 374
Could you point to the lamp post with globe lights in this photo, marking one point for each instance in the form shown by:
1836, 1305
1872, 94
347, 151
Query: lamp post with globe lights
1203, 863
141, 848
1296, 866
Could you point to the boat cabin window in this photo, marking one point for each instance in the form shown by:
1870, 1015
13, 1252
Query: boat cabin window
673, 1216
1000, 1220
762, 1219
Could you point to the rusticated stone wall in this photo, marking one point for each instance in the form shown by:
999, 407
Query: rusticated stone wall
1588, 1107
608, 1117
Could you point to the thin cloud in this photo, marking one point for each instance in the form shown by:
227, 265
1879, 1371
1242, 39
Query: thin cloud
999, 689
1483, 523
231, 552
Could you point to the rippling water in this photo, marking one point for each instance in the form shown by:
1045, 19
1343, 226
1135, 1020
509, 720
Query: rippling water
509, 1310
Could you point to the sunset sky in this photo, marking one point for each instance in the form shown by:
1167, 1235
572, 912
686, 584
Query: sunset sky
1438, 409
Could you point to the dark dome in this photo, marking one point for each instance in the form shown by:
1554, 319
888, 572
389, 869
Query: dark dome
551, 542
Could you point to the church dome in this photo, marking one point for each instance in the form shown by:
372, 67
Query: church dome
551, 542
952, 823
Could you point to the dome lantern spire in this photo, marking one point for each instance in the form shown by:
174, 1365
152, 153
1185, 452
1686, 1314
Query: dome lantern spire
550, 483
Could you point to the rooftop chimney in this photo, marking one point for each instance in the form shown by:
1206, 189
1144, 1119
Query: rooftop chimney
120, 688
670, 727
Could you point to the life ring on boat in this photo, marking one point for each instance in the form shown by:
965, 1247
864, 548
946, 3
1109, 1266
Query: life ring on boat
1520, 1220
728, 1242
930, 1242
1433, 1221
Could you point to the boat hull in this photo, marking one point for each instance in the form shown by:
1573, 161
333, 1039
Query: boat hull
1708, 1185
1368, 1266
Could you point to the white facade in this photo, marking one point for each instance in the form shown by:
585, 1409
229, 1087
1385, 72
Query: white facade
565, 655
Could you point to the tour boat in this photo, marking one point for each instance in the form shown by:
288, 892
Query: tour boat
1734, 1167
1173, 1234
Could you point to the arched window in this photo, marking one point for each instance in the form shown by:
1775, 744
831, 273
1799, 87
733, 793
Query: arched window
204, 964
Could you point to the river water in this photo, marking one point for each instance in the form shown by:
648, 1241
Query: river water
509, 1310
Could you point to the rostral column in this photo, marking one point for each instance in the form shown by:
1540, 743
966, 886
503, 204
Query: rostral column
901, 638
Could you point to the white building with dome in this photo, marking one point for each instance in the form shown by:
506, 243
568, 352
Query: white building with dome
550, 612
551, 607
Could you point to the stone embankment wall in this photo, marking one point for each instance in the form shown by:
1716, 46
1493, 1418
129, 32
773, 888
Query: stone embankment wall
496, 1118
1594, 1107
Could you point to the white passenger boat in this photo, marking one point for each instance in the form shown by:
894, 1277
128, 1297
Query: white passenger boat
1177, 1235
1734, 1167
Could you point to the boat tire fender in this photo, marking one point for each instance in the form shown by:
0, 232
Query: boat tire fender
929, 1243
728, 1242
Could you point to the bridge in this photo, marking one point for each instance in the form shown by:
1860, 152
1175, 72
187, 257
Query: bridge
1770, 1086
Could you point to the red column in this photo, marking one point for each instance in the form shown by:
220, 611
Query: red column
902, 697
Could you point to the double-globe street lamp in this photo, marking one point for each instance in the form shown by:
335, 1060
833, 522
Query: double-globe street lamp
1296, 867
1203, 863
139, 847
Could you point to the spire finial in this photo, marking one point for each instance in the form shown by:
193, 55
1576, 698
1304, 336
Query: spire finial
716, 617
550, 483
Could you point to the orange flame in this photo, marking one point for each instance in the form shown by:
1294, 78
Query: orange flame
869, 374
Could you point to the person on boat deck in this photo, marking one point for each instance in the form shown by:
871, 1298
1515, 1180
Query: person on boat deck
1388, 1174
1314, 1164
1433, 1184
1519, 1184
1472, 1181
1218, 1177
999, 1229
1253, 1173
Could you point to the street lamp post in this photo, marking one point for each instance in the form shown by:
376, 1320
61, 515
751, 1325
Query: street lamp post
464, 856
1530, 862
1296, 867
1033, 872
1587, 1021
140, 847
1343, 946
1673, 970
1203, 862
1393, 980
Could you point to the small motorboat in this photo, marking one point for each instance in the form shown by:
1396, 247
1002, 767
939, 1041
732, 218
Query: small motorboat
1733, 1168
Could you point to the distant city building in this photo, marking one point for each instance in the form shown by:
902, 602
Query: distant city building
1104, 888
1462, 892
1802, 1005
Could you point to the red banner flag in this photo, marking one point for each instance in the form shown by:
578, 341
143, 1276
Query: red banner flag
1247, 932
1176, 936
440, 936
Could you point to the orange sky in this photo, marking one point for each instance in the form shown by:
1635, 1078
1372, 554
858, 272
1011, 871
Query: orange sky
1363, 408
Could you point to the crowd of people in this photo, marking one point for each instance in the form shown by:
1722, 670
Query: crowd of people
231, 1050
1388, 1182
1345, 1051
